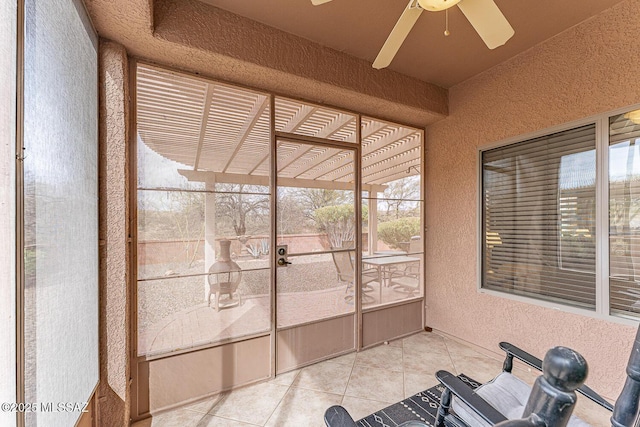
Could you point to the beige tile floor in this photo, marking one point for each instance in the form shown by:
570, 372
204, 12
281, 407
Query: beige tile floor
361, 382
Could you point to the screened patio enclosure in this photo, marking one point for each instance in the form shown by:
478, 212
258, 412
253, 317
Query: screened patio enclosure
219, 165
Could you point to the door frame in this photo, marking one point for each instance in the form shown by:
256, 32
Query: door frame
356, 149
137, 375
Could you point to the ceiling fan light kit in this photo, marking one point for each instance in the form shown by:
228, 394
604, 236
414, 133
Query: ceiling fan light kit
484, 15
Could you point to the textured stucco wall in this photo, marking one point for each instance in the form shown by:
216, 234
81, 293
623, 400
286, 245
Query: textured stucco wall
197, 37
113, 391
589, 69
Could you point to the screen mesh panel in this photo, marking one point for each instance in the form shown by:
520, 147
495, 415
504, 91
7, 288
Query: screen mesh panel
61, 209
7, 206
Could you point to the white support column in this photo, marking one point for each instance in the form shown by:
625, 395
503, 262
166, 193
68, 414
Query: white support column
209, 230
373, 221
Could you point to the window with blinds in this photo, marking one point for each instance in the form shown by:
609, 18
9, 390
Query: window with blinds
539, 218
624, 213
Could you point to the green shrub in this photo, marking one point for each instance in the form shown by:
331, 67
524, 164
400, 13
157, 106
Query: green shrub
337, 222
398, 231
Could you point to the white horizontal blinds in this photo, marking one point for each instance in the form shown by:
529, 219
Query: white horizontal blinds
624, 213
539, 217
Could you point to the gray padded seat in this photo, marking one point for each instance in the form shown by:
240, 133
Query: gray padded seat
509, 395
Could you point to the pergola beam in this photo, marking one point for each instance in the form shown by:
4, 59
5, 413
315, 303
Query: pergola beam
203, 123
372, 127
297, 153
399, 172
328, 174
328, 154
396, 151
336, 124
231, 178
300, 118
252, 118
374, 145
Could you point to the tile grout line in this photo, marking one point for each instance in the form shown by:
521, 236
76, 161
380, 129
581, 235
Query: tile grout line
232, 419
344, 393
404, 380
449, 354
282, 398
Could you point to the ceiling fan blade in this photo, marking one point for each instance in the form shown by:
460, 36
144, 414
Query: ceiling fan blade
319, 2
398, 34
488, 21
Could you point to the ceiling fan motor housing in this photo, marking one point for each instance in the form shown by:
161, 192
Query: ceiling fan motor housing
437, 5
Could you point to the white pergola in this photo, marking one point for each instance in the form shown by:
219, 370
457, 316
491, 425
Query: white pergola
222, 134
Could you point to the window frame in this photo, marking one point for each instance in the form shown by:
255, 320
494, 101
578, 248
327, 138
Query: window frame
602, 308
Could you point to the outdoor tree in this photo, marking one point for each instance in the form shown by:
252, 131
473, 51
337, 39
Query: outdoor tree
398, 195
246, 211
290, 212
312, 199
338, 222
187, 215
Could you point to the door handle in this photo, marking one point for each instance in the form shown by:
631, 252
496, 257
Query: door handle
282, 261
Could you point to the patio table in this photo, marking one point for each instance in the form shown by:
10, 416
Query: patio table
384, 263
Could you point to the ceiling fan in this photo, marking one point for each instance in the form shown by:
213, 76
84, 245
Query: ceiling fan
484, 15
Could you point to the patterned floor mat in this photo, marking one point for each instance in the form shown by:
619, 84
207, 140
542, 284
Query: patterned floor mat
422, 406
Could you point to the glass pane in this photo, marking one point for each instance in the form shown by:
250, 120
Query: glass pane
61, 212
539, 217
307, 119
316, 213
8, 21
624, 207
203, 205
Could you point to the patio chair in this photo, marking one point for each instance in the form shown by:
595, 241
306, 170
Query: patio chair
407, 280
344, 268
367, 273
501, 402
551, 399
